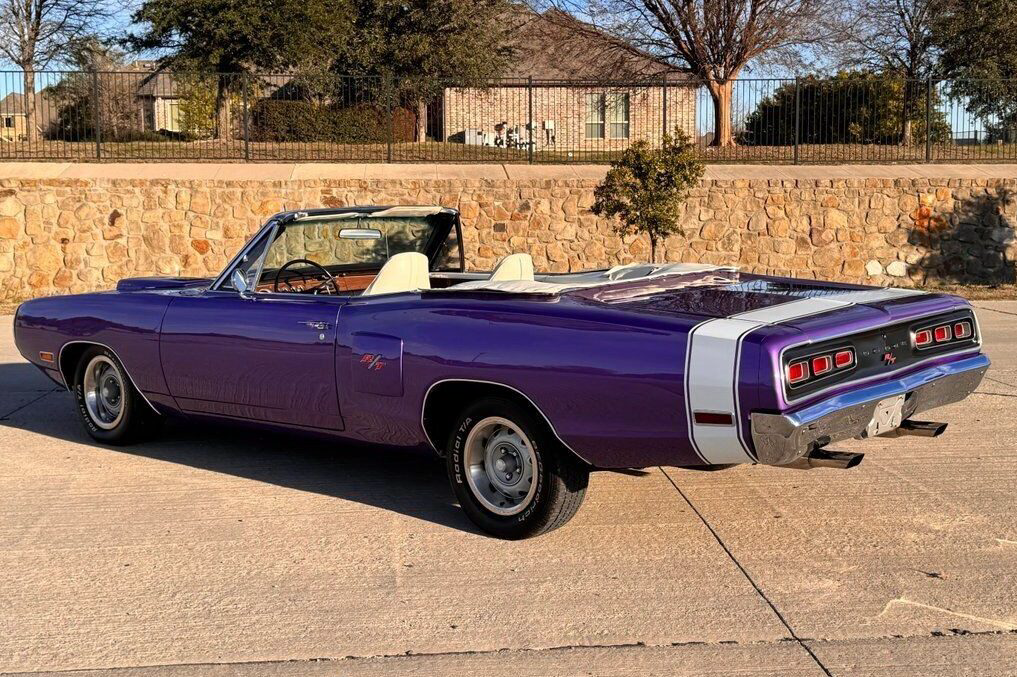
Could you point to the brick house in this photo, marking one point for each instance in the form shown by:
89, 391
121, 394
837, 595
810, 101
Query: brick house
13, 122
585, 93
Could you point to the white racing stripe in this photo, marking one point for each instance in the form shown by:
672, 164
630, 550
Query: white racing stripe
713, 362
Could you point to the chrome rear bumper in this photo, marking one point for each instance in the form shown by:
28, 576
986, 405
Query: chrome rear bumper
780, 439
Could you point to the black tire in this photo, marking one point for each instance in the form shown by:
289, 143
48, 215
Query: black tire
135, 418
560, 478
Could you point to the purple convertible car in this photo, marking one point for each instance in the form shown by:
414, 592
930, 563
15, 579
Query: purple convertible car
360, 323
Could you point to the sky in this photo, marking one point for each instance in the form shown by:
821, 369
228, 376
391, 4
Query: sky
756, 85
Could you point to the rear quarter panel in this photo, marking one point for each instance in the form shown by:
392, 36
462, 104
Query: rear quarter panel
611, 384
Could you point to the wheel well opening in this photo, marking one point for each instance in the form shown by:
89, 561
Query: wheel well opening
69, 358
446, 401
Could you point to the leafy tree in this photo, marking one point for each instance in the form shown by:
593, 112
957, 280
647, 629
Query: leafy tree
96, 65
425, 46
853, 107
978, 39
714, 39
893, 37
33, 33
644, 188
231, 37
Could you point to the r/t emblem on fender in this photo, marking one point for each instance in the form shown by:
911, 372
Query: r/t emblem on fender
373, 362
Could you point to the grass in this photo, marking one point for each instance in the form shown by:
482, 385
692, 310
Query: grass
436, 151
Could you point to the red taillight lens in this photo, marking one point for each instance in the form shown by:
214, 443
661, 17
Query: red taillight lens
962, 330
843, 358
923, 338
797, 372
821, 365
942, 334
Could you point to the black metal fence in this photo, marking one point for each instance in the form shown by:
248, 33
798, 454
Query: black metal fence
162, 116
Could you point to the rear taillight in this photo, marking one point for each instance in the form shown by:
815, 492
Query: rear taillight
819, 366
942, 334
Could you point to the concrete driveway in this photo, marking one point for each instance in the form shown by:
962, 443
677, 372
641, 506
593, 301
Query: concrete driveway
216, 552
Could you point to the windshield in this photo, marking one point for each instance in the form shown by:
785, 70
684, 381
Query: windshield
342, 245
347, 243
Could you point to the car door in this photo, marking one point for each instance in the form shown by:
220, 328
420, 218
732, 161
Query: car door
264, 357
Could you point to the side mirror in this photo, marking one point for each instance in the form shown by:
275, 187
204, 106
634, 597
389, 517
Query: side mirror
239, 281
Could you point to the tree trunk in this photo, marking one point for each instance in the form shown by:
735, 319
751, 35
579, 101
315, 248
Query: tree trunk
31, 127
223, 114
906, 136
421, 120
653, 248
722, 94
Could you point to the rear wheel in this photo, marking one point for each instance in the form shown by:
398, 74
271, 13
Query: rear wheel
511, 475
110, 407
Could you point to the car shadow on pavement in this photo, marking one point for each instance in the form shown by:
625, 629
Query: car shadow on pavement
409, 482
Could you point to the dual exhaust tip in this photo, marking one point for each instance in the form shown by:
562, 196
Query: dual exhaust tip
825, 458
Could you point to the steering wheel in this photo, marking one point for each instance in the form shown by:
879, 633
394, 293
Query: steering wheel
315, 289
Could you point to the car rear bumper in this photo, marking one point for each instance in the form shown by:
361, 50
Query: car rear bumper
780, 439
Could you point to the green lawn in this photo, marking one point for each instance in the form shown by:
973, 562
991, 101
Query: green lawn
435, 151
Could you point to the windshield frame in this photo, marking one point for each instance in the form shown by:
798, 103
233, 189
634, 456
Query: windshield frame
432, 248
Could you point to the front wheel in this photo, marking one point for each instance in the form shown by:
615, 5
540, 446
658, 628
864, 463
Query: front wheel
512, 477
112, 410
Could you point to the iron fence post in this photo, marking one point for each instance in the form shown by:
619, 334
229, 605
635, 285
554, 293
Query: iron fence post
97, 118
928, 119
245, 83
663, 110
798, 114
530, 136
389, 96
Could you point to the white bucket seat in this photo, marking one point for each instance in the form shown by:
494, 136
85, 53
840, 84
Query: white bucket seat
514, 267
403, 272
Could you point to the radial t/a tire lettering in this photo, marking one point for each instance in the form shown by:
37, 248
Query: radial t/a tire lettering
110, 407
512, 477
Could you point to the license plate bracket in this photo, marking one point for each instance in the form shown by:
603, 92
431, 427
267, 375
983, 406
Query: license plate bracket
887, 416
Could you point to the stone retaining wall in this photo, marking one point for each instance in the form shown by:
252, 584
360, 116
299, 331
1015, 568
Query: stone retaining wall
60, 235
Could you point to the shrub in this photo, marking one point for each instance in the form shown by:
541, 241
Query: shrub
645, 188
302, 121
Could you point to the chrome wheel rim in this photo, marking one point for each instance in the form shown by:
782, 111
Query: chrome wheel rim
103, 388
500, 466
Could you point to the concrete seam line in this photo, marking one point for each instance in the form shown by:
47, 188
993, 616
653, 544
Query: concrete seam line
506, 650
7, 415
748, 577
995, 310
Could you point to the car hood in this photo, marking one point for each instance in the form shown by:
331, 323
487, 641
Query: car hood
131, 284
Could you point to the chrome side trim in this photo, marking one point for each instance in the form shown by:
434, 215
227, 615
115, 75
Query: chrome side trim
67, 384
782, 438
423, 406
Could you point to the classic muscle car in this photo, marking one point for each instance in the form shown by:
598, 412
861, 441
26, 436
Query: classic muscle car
360, 323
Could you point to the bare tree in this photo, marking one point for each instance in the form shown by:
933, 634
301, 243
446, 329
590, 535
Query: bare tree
35, 32
893, 37
714, 39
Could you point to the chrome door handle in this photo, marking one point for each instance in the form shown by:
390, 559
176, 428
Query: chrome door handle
320, 326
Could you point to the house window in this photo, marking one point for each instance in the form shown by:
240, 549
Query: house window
607, 113
8, 122
618, 116
594, 116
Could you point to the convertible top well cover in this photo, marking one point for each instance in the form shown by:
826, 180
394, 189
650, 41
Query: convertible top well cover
665, 277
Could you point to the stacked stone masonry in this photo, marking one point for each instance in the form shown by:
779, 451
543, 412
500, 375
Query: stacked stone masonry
75, 235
